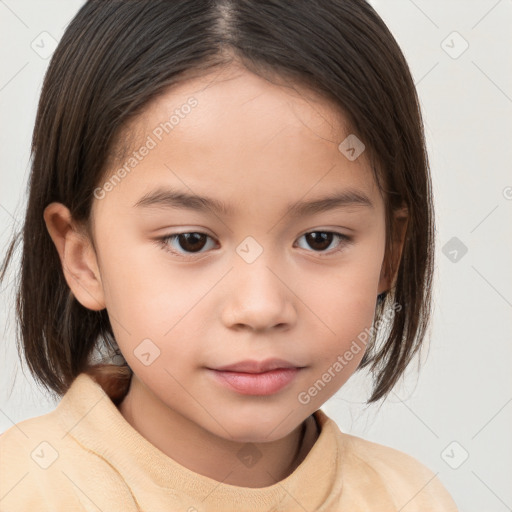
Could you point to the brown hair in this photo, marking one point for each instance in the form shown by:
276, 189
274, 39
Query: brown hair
116, 56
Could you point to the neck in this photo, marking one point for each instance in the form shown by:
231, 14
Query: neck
189, 443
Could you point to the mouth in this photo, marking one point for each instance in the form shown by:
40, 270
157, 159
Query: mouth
253, 366
257, 378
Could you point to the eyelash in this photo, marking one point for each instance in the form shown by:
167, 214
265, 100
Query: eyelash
344, 241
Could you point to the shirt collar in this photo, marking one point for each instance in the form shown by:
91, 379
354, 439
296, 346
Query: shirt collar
89, 416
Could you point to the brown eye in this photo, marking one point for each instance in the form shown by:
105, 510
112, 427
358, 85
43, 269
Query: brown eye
320, 241
182, 244
191, 242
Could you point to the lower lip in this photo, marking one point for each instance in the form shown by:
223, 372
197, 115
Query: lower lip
266, 383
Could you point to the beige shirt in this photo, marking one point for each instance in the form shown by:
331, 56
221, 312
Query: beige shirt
84, 456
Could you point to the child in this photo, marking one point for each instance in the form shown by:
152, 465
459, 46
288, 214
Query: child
284, 140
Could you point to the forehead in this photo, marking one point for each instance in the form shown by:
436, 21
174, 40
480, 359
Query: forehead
233, 128
226, 98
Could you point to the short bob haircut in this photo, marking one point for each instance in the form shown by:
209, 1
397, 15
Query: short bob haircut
118, 55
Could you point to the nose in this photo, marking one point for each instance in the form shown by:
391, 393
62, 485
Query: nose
258, 298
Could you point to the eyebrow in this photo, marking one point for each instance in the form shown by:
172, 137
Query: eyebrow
172, 198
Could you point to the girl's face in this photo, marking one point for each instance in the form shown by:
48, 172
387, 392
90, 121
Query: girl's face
252, 169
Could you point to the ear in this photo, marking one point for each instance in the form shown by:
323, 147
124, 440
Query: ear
387, 279
77, 256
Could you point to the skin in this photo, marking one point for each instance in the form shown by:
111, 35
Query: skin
257, 146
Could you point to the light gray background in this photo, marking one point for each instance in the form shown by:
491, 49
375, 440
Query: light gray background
460, 404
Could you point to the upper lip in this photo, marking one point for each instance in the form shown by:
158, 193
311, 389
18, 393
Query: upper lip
252, 366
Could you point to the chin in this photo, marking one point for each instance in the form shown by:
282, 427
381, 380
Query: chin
253, 431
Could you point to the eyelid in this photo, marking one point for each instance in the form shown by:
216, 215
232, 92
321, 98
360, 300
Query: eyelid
163, 242
343, 238
344, 241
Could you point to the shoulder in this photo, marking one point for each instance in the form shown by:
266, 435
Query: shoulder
28, 450
20, 436
40, 462
411, 485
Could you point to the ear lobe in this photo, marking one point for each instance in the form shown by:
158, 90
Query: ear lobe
392, 261
77, 257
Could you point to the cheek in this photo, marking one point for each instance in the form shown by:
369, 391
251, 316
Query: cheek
148, 298
143, 296
349, 321
347, 295
347, 311
344, 301
135, 276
